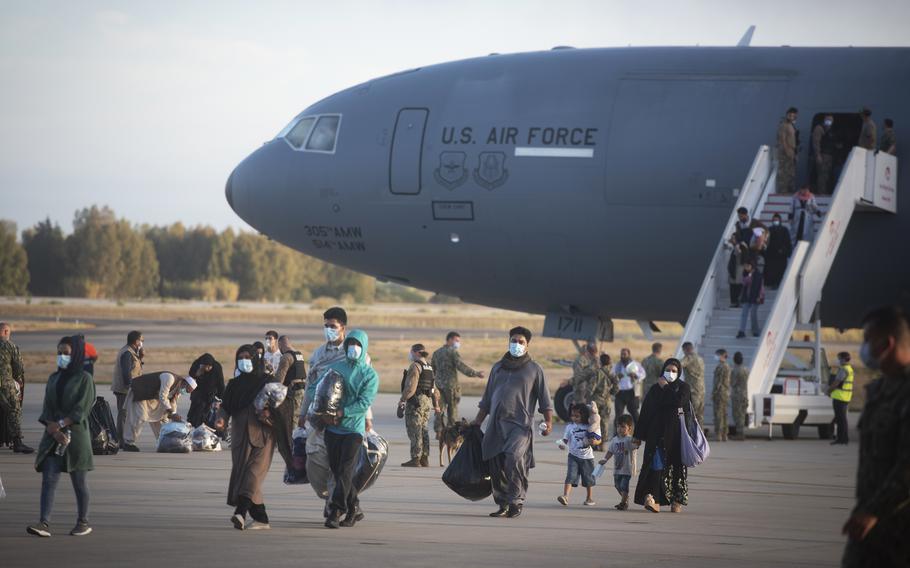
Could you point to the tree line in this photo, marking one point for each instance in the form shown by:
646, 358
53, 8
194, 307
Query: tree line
107, 257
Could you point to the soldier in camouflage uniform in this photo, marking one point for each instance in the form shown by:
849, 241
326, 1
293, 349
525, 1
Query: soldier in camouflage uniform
880, 523
694, 375
787, 151
653, 365
12, 387
604, 388
584, 373
446, 364
739, 383
721, 394
418, 396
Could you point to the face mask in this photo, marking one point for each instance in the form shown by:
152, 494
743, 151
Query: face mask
184, 391
410, 356
828, 123
456, 346
331, 334
670, 376
865, 353
354, 352
517, 349
245, 365
717, 358
141, 344
776, 223
63, 361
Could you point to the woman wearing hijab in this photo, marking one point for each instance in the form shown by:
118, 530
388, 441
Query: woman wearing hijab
802, 207
260, 355
663, 476
209, 384
66, 445
776, 254
252, 442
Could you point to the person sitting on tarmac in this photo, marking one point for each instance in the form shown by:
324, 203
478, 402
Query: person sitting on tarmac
152, 398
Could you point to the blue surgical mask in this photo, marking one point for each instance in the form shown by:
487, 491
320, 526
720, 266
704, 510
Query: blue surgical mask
869, 360
331, 334
517, 349
354, 352
245, 365
63, 361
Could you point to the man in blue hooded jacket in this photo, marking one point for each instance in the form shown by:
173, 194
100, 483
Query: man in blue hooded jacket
344, 437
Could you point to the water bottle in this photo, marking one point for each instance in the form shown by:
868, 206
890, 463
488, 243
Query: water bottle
599, 470
542, 428
62, 446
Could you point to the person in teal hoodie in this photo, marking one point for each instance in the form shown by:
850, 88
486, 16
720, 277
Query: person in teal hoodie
344, 437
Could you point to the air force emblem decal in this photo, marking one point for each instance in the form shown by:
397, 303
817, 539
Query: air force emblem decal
451, 171
490, 171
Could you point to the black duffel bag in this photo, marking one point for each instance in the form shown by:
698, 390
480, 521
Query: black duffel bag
103, 429
468, 474
373, 455
329, 394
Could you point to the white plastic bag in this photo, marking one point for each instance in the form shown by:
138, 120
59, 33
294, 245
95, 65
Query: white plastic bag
205, 440
271, 395
176, 438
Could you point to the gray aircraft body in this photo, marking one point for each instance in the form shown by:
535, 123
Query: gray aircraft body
595, 181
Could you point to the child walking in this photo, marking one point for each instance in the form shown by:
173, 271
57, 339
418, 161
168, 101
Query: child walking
623, 451
579, 438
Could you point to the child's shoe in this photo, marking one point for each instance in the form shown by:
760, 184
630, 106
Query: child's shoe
622, 505
563, 500
590, 502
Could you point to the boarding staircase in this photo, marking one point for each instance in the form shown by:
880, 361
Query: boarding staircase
785, 382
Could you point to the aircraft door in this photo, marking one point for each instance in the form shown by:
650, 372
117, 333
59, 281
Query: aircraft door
407, 151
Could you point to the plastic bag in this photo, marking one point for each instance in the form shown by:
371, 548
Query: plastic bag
468, 474
103, 429
296, 475
329, 393
175, 438
271, 395
205, 439
373, 455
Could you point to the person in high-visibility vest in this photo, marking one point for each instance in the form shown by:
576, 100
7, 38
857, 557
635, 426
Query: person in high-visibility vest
841, 393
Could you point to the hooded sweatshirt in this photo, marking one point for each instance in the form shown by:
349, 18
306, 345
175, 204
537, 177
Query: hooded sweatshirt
360, 386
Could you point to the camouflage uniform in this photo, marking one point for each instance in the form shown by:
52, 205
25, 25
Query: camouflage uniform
584, 374
883, 475
721, 396
824, 162
694, 375
416, 417
739, 382
786, 157
889, 139
605, 385
446, 364
653, 366
867, 135
12, 383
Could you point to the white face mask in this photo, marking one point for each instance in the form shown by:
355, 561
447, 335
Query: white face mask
63, 361
456, 346
517, 349
331, 334
776, 223
829, 122
354, 352
670, 376
245, 365
411, 357
717, 357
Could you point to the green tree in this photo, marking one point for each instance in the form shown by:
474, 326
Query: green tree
13, 262
46, 249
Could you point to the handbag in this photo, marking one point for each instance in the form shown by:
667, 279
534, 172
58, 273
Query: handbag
657, 462
694, 448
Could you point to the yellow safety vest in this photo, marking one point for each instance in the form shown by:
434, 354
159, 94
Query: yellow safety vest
845, 392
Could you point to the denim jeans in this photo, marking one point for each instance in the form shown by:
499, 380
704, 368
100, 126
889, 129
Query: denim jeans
49, 478
747, 309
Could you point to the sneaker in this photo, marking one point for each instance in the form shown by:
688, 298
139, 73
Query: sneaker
424, 461
238, 521
514, 511
81, 529
501, 512
411, 463
590, 502
350, 520
332, 522
257, 526
621, 506
130, 448
563, 500
39, 529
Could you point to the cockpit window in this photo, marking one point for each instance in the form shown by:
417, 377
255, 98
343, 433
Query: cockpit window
324, 134
298, 134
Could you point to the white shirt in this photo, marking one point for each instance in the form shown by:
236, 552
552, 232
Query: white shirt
578, 441
624, 372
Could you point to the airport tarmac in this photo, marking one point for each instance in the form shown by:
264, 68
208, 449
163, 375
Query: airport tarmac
754, 503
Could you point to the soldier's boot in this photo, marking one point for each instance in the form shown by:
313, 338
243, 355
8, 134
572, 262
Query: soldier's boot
20, 448
413, 462
424, 461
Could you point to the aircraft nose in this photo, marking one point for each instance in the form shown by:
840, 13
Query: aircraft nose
229, 190
264, 177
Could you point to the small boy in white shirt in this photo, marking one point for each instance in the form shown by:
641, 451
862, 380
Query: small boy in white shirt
623, 452
579, 438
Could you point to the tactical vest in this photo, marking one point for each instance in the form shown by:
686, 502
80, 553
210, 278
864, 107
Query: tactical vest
427, 379
845, 392
297, 371
146, 387
828, 143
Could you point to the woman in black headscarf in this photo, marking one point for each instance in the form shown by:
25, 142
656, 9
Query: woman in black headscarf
663, 476
68, 400
209, 384
252, 442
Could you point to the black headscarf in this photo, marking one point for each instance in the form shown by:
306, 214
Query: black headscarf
672, 361
242, 390
211, 382
77, 360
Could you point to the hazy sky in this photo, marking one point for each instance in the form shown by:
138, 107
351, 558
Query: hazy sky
147, 106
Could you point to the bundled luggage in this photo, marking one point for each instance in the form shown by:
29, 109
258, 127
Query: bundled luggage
468, 474
175, 438
329, 394
373, 455
103, 429
205, 439
296, 474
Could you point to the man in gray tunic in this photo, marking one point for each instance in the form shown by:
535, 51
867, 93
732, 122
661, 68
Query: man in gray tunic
515, 387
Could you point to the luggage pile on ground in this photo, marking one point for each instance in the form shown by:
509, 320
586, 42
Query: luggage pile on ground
205, 440
175, 438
